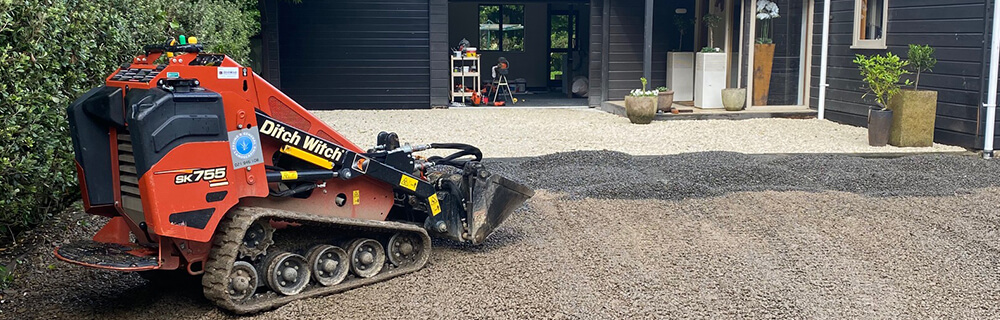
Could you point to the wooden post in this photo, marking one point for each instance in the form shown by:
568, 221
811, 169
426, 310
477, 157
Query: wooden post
605, 48
647, 47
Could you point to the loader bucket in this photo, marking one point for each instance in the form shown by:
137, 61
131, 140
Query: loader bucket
494, 198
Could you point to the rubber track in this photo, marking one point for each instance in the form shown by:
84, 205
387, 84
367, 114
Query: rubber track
230, 232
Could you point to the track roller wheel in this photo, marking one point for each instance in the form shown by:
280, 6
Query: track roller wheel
243, 280
367, 257
287, 273
329, 264
402, 249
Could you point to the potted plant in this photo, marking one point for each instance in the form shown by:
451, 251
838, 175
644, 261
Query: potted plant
640, 105
664, 99
882, 74
711, 22
733, 99
763, 51
915, 110
710, 69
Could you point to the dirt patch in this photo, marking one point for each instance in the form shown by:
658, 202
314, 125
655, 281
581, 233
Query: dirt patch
917, 240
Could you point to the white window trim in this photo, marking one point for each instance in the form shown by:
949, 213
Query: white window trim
870, 44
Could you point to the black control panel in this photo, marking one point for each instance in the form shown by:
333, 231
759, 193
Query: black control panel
127, 73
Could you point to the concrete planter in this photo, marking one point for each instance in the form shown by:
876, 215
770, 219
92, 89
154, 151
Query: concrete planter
914, 112
709, 79
680, 75
734, 99
665, 101
640, 110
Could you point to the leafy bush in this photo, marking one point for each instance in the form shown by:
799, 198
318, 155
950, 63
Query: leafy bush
921, 58
51, 51
882, 74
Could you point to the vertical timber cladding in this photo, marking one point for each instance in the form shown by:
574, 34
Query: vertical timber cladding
625, 48
955, 28
356, 54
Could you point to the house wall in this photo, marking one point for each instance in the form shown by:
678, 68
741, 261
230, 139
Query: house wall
626, 42
956, 28
358, 54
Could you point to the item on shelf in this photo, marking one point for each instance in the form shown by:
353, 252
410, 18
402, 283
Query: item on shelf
465, 69
470, 52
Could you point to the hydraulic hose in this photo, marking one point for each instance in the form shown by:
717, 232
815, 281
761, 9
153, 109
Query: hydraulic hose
452, 159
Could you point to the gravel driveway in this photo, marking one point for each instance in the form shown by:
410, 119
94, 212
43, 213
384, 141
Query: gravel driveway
609, 235
515, 132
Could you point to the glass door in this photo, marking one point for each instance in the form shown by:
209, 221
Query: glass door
778, 66
562, 41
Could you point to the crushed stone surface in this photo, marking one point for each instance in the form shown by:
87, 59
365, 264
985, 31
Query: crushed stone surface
517, 132
610, 235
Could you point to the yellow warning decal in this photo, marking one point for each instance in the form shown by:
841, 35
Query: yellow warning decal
435, 206
408, 182
289, 175
357, 197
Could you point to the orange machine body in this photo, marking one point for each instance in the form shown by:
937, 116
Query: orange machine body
199, 179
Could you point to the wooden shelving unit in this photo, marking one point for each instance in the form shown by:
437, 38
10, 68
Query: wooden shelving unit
469, 79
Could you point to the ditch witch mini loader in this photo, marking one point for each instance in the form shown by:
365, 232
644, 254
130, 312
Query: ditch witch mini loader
205, 167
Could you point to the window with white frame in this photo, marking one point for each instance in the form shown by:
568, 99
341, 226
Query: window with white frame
870, 23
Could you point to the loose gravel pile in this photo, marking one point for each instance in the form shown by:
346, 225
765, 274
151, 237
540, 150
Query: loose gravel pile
517, 132
605, 174
609, 235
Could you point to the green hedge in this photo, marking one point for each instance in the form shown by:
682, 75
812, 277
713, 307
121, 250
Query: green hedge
52, 51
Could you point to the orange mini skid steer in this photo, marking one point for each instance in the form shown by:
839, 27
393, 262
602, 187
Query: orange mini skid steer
205, 167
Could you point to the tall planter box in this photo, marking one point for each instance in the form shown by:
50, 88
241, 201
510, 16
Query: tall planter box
763, 61
709, 79
914, 112
680, 75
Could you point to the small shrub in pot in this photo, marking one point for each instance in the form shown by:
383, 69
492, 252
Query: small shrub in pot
640, 105
882, 74
664, 99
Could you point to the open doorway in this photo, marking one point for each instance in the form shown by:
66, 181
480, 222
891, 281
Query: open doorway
544, 45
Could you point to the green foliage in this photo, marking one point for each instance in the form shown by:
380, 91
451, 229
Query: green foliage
882, 73
711, 21
662, 89
644, 82
6, 277
51, 51
921, 58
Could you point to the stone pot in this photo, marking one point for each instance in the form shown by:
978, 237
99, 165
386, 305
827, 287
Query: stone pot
914, 112
879, 122
734, 99
665, 101
640, 110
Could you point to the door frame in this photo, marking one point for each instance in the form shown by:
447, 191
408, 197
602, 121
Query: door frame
805, 76
573, 44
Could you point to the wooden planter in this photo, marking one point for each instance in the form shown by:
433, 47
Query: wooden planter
763, 61
913, 118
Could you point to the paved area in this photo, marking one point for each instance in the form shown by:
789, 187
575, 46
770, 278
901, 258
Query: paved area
609, 235
515, 132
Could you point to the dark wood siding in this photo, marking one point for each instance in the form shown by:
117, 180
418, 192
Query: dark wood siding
626, 43
354, 54
439, 53
954, 27
271, 70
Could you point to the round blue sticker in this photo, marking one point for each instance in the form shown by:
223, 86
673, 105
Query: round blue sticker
244, 146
